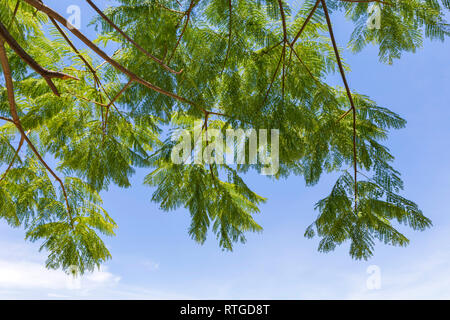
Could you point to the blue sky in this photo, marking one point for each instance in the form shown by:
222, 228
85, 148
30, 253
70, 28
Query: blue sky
154, 258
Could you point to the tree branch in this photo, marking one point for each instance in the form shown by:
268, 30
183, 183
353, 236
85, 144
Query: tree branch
85, 99
112, 24
188, 15
349, 95
308, 18
283, 19
16, 8
169, 9
7, 119
70, 43
367, 1
46, 74
12, 105
13, 159
302, 28
51, 13
285, 41
229, 35
305, 66
117, 96
273, 79
344, 115
267, 50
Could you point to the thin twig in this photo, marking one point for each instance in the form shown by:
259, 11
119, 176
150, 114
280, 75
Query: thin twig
308, 18
13, 159
266, 51
344, 115
349, 94
205, 126
305, 66
105, 62
51, 13
112, 24
86, 99
368, 1
117, 96
70, 43
283, 20
16, 8
271, 82
7, 119
169, 9
229, 35
299, 33
12, 106
285, 41
188, 15
48, 75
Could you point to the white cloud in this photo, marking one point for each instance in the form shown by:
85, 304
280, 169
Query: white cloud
30, 277
23, 276
429, 279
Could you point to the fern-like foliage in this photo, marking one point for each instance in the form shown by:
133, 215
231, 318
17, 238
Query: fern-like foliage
227, 63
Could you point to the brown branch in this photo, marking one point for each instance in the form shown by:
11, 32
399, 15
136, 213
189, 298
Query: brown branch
97, 81
12, 106
305, 66
218, 114
283, 72
283, 20
367, 1
285, 41
229, 35
16, 8
206, 112
308, 18
112, 24
266, 51
205, 126
105, 62
107, 95
349, 94
7, 119
302, 28
271, 83
223, 115
117, 96
70, 43
188, 15
344, 115
119, 93
169, 9
51, 13
48, 75
86, 99
13, 159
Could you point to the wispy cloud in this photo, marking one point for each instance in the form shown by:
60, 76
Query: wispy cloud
428, 279
23, 276
31, 279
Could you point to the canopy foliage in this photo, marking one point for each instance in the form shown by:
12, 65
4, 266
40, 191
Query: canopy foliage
235, 63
